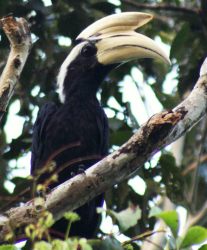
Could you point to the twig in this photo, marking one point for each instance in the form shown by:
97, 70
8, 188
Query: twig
195, 174
191, 167
193, 219
143, 236
162, 7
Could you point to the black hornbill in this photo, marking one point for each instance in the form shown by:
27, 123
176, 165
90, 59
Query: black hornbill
76, 133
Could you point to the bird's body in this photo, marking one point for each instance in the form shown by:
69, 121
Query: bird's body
75, 134
78, 129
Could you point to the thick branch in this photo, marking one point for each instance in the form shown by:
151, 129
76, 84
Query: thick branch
20, 40
160, 130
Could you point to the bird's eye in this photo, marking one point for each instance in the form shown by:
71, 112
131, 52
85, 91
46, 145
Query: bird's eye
88, 50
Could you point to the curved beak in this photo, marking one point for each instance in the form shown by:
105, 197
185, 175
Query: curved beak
128, 46
117, 42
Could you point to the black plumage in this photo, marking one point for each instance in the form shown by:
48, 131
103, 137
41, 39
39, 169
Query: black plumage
78, 129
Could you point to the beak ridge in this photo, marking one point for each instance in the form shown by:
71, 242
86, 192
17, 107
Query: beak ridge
116, 22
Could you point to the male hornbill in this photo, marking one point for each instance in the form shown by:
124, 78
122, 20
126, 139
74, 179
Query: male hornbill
75, 134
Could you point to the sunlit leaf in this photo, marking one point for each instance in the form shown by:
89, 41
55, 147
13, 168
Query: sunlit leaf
59, 245
195, 235
7, 247
71, 216
127, 218
42, 245
171, 219
204, 247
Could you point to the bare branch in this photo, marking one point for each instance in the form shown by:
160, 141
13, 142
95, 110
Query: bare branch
162, 7
195, 218
20, 40
159, 131
191, 167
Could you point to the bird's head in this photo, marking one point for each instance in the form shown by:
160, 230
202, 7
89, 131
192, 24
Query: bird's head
102, 46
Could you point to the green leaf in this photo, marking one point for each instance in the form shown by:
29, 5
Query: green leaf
75, 243
204, 247
128, 247
195, 235
84, 244
59, 245
131, 246
42, 245
127, 218
71, 216
8, 247
171, 220
106, 244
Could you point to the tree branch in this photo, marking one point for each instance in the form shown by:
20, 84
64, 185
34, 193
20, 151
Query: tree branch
195, 218
159, 131
191, 167
20, 40
162, 7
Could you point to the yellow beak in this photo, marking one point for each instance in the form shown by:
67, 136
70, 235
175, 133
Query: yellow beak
117, 42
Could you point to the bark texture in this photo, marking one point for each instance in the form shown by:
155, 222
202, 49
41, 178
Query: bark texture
19, 37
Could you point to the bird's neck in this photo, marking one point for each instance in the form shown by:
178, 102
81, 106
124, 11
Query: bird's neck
74, 99
81, 93
84, 86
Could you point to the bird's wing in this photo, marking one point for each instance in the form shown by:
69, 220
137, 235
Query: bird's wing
103, 133
43, 118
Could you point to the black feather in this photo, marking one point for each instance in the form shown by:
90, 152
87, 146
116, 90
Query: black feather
77, 131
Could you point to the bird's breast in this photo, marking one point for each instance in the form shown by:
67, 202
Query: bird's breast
76, 135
